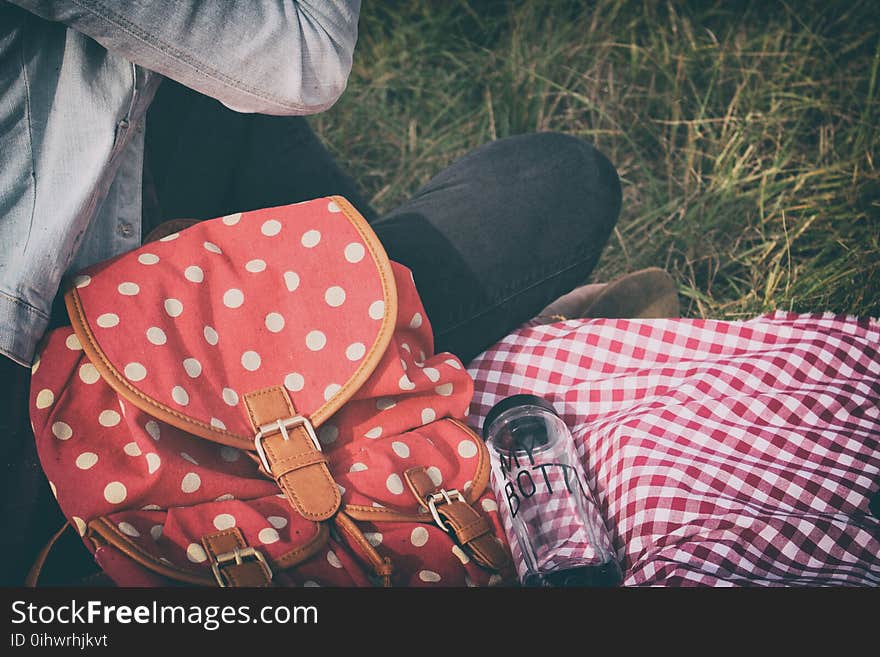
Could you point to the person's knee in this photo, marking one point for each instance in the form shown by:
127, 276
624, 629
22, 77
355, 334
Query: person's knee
558, 183
572, 165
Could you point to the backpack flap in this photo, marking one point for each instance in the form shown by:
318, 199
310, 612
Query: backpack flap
262, 323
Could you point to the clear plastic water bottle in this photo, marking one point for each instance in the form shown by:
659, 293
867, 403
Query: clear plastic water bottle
556, 533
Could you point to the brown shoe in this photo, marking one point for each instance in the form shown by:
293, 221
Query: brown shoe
647, 293
644, 294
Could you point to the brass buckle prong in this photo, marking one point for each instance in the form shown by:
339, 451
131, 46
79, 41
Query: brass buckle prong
282, 426
238, 555
447, 498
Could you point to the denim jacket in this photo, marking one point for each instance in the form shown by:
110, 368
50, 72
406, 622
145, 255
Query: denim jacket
76, 79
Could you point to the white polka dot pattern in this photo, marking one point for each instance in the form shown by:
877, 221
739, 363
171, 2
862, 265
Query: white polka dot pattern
354, 252
460, 554
211, 335
156, 336
191, 482
394, 484
489, 505
148, 258
173, 307
467, 449
355, 351
225, 273
251, 360
196, 553
193, 367
233, 298
62, 430
109, 418
291, 280
194, 274
88, 373
333, 560
153, 462
180, 396
316, 340
334, 296
224, 521
376, 310
135, 372
419, 536
294, 382
268, 536
230, 396
275, 322
86, 460
128, 529
45, 398
132, 449
311, 238
108, 320
271, 228
115, 492
435, 475
278, 522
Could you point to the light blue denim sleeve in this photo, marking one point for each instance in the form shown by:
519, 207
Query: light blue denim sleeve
70, 122
270, 57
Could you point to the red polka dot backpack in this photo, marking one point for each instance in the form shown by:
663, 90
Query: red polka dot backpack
255, 400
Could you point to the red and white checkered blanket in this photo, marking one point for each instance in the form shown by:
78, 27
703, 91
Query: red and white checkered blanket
720, 453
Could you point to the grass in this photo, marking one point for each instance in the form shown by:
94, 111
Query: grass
745, 133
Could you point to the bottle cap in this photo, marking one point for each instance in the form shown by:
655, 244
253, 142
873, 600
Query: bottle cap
512, 402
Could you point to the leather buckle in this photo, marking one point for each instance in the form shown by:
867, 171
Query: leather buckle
283, 426
237, 556
446, 497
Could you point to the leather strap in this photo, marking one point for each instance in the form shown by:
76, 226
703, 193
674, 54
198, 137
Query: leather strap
294, 460
471, 529
33, 575
235, 563
382, 566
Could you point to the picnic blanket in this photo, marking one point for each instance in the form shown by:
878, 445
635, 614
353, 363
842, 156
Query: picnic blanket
721, 453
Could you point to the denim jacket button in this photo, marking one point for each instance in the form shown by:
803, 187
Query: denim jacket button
125, 229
